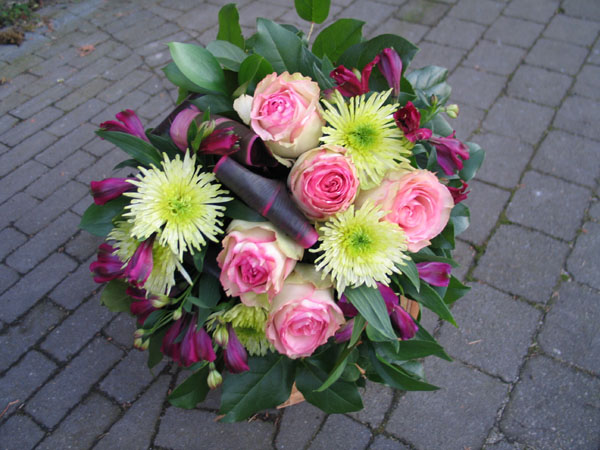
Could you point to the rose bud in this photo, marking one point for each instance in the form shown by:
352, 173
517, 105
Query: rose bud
130, 124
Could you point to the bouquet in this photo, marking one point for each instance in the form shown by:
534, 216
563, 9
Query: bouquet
282, 228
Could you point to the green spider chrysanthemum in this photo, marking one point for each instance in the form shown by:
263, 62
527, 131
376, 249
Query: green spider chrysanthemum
360, 248
179, 202
366, 128
164, 261
249, 325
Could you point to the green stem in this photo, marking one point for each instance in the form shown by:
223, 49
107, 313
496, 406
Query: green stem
312, 26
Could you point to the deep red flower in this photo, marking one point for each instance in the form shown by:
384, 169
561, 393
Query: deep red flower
108, 266
408, 119
435, 273
459, 193
109, 189
236, 358
130, 123
140, 265
450, 153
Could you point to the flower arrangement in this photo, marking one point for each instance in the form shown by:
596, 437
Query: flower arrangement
282, 228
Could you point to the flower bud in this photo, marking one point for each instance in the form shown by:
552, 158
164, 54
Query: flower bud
160, 301
435, 273
140, 265
452, 111
390, 66
221, 336
141, 344
177, 314
214, 379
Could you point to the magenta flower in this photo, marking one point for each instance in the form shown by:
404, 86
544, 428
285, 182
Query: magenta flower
220, 142
180, 126
108, 266
347, 81
404, 323
449, 153
140, 265
130, 124
408, 119
390, 66
196, 345
345, 332
109, 189
236, 358
169, 346
389, 297
459, 193
435, 273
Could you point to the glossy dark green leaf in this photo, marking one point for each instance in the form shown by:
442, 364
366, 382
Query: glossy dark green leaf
281, 47
430, 299
236, 209
228, 54
472, 165
426, 255
218, 104
254, 68
175, 76
410, 270
357, 329
164, 144
97, 219
397, 377
209, 291
411, 349
199, 66
440, 126
460, 217
313, 10
155, 356
192, 391
229, 26
369, 303
455, 290
114, 296
431, 80
135, 147
127, 163
335, 39
199, 258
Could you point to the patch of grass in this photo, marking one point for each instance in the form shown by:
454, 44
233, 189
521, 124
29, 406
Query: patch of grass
19, 13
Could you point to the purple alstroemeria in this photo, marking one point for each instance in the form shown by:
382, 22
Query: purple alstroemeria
180, 126
390, 66
169, 347
408, 119
142, 306
347, 81
222, 141
109, 189
140, 265
345, 332
130, 124
459, 193
435, 273
449, 153
404, 323
389, 297
196, 345
108, 266
236, 358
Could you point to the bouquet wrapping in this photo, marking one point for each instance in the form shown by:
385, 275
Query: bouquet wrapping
283, 228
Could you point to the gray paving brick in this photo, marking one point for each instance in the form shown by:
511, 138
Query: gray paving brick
456, 33
103, 168
7, 122
550, 393
84, 244
30, 107
475, 87
534, 10
505, 159
483, 315
463, 254
438, 55
87, 421
467, 122
75, 288
9, 240
481, 11
513, 31
344, 432
583, 263
18, 179
465, 408
570, 332
76, 117
20, 432
97, 146
121, 329
8, 277
298, 425
132, 101
19, 338
8, 103
382, 442
16, 83
90, 72
67, 145
579, 163
588, 82
16, 206
152, 86
522, 262
30, 126
594, 57
587, 9
495, 57
3, 149
576, 115
20, 65
179, 430
124, 85
377, 399
486, 203
65, 390
422, 12
85, 92
517, 118
539, 85
594, 210
24, 378
44, 243
377, 11
79, 209
569, 29
536, 202
557, 55
414, 32
165, 13
24, 151
157, 107
134, 430
201, 19
104, 49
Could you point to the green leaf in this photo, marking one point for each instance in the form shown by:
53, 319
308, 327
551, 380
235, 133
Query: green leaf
460, 217
114, 296
427, 77
228, 54
440, 126
313, 10
135, 147
127, 163
164, 144
254, 68
175, 76
236, 209
371, 306
199, 66
279, 46
426, 255
357, 329
429, 298
340, 397
455, 290
155, 355
338, 369
411, 349
209, 290
472, 165
397, 377
229, 25
410, 270
217, 103
97, 219
335, 39
199, 258
192, 391
267, 384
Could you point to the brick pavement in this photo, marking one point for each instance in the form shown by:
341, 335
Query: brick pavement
526, 372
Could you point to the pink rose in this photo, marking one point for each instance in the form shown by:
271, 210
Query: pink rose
286, 113
417, 201
323, 182
303, 316
255, 260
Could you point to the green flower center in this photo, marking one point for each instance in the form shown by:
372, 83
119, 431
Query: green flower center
179, 206
359, 240
362, 137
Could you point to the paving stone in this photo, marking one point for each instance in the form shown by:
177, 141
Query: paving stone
87, 421
377, 399
517, 260
513, 31
198, 19
385, 443
8, 277
24, 378
90, 72
20, 432
44, 243
298, 425
480, 11
570, 332
129, 377
463, 254
467, 122
16, 83
75, 288
517, 118
588, 82
456, 33
557, 55
594, 57
67, 145
76, 117
439, 55
121, 329
486, 203
465, 408
539, 85
85, 92
249, 13
18, 204
554, 407
8, 103
30, 107
536, 202
583, 263
158, 106
534, 10
568, 156
587, 9
569, 29
422, 11
24, 151
125, 85
594, 211
30, 126
494, 57
132, 100
103, 168
79, 209
135, 429
345, 432
60, 175
84, 244
414, 32
65, 390
179, 430
576, 115
9, 240
105, 49
483, 315
12, 183
19, 338
475, 87
377, 13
